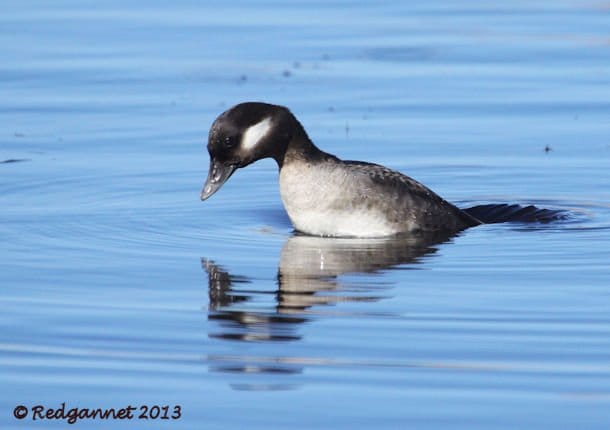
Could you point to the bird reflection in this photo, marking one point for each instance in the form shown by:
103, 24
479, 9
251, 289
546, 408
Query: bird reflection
308, 279
310, 267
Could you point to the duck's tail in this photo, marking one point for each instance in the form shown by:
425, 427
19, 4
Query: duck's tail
503, 212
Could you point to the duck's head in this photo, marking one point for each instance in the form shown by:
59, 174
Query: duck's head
243, 134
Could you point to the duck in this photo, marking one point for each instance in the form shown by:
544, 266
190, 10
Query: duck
322, 194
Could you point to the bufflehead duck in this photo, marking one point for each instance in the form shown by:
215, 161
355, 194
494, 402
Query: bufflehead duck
323, 195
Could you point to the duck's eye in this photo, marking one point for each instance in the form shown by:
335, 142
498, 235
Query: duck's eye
231, 141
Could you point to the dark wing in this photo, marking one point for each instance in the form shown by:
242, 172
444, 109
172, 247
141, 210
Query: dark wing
415, 199
392, 178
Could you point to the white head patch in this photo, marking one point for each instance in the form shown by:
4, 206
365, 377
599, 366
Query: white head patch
255, 133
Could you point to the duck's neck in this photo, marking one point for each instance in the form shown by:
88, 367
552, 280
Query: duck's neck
300, 148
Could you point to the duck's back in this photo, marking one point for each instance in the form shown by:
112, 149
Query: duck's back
331, 197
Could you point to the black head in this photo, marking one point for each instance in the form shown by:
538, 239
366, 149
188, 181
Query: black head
243, 134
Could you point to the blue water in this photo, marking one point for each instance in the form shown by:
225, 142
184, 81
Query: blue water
119, 287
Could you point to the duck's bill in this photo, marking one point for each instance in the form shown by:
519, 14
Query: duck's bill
218, 175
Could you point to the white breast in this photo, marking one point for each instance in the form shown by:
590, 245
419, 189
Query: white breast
325, 200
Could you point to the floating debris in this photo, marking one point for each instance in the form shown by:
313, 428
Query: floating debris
14, 160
